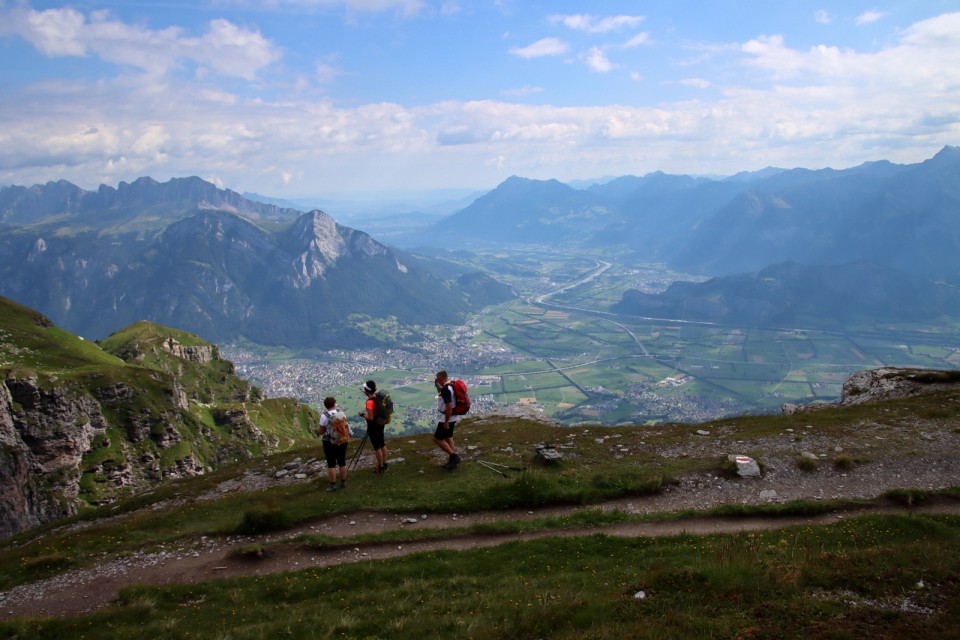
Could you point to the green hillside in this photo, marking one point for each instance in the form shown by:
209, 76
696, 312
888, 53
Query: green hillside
29, 340
89, 423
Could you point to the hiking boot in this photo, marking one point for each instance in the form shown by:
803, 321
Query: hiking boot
383, 469
455, 460
343, 484
332, 487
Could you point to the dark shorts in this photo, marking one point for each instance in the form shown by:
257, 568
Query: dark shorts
375, 433
336, 454
441, 433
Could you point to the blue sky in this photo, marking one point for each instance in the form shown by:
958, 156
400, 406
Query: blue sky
333, 98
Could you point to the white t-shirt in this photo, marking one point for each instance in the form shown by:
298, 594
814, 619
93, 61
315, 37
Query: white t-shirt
447, 395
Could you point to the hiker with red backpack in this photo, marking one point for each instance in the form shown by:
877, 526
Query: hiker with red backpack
452, 402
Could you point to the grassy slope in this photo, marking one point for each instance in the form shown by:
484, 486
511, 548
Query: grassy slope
30, 346
796, 583
29, 341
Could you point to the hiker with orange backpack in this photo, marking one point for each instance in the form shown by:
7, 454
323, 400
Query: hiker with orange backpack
335, 434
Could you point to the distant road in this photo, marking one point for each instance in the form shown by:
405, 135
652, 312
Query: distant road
541, 299
597, 272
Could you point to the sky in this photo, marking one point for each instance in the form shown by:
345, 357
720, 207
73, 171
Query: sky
353, 98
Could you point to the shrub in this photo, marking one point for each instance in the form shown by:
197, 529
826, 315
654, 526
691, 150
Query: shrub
845, 463
908, 497
262, 520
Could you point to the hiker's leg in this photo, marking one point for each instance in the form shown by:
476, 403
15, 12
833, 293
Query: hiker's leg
377, 440
441, 437
329, 452
341, 463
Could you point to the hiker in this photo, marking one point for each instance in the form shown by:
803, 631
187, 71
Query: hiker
334, 443
446, 401
374, 429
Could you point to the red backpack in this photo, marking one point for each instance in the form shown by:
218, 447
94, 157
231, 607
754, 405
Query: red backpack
463, 398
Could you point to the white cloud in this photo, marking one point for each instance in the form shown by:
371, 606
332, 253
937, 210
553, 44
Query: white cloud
638, 40
593, 24
226, 48
597, 60
868, 17
450, 7
231, 50
777, 105
542, 48
822, 16
56, 32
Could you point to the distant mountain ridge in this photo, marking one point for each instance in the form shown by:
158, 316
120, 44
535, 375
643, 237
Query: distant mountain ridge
144, 202
190, 255
549, 211
905, 217
790, 294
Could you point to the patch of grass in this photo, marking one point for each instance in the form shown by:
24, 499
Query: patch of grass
250, 552
263, 520
846, 462
45, 563
848, 580
805, 463
909, 497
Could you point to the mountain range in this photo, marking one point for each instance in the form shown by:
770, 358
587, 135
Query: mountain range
789, 294
187, 254
905, 217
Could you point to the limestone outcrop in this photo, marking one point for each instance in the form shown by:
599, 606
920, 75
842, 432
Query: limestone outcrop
885, 383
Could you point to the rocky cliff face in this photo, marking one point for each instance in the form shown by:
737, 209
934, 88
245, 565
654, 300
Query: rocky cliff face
44, 434
891, 382
83, 424
886, 383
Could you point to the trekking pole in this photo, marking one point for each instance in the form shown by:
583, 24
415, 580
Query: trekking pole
356, 455
505, 466
488, 466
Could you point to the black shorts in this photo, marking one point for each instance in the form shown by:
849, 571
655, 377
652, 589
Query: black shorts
336, 454
375, 433
443, 433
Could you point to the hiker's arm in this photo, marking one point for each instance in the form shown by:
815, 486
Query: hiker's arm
368, 411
